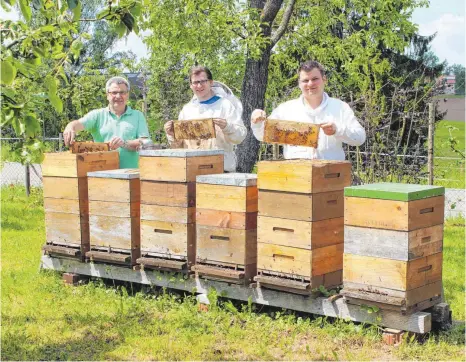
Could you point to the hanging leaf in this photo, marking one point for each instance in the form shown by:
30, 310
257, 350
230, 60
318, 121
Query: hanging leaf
25, 10
32, 126
128, 20
51, 84
72, 4
77, 12
8, 72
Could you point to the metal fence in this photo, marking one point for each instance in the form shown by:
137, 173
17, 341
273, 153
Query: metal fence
447, 170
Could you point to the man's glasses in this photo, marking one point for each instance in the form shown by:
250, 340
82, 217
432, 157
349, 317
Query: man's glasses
199, 82
120, 93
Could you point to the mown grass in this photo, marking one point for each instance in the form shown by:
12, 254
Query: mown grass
42, 319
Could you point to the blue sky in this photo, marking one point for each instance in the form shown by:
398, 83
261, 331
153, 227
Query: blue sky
446, 17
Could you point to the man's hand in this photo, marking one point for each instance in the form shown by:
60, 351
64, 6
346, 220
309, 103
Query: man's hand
258, 115
222, 123
328, 128
116, 142
169, 129
68, 135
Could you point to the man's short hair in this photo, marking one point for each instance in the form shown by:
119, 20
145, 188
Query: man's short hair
116, 80
200, 69
310, 65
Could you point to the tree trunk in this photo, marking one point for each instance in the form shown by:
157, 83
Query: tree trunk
253, 97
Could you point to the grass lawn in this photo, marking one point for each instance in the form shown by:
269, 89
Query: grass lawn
42, 319
449, 172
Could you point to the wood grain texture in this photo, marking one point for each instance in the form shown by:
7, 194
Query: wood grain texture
303, 176
231, 246
291, 133
72, 188
110, 189
299, 262
392, 274
226, 219
176, 194
297, 206
81, 147
300, 234
179, 169
114, 232
183, 215
194, 129
166, 238
78, 165
394, 244
67, 206
226, 198
394, 215
115, 209
63, 228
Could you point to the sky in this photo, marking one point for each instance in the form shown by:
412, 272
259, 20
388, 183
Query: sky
445, 17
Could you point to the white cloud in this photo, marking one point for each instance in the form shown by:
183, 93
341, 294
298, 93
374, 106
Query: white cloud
134, 43
449, 43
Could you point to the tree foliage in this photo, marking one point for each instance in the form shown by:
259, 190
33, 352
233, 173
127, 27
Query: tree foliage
37, 53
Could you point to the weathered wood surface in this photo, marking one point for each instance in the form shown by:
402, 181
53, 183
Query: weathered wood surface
229, 179
65, 164
176, 194
123, 174
116, 190
299, 262
392, 274
218, 272
109, 257
116, 209
419, 322
394, 215
300, 234
183, 215
226, 245
179, 169
74, 188
81, 147
158, 263
226, 219
67, 206
167, 239
194, 129
62, 228
114, 232
62, 251
303, 176
297, 206
394, 191
393, 244
226, 198
291, 133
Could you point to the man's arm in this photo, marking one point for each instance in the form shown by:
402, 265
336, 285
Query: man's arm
231, 124
71, 129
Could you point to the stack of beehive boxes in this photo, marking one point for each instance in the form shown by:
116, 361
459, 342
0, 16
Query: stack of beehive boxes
300, 223
168, 200
226, 226
114, 216
66, 199
393, 245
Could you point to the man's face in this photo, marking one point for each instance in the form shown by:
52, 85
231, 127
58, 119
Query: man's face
312, 83
201, 86
117, 96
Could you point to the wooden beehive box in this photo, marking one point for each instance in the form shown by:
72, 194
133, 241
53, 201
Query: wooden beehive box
194, 129
299, 206
179, 165
66, 199
291, 133
114, 216
396, 232
303, 176
394, 206
226, 214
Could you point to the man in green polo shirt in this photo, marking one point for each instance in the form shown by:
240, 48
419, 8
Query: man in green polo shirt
121, 126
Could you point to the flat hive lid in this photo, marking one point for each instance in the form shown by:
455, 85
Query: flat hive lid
394, 191
123, 173
179, 152
229, 179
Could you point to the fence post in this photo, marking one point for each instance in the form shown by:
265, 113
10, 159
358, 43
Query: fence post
60, 142
274, 152
430, 150
27, 179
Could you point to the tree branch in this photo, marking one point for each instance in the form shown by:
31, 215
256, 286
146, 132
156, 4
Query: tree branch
285, 21
270, 11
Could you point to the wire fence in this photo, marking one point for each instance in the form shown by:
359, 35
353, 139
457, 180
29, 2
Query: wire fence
448, 168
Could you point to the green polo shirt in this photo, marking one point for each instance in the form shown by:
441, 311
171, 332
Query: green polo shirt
103, 125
